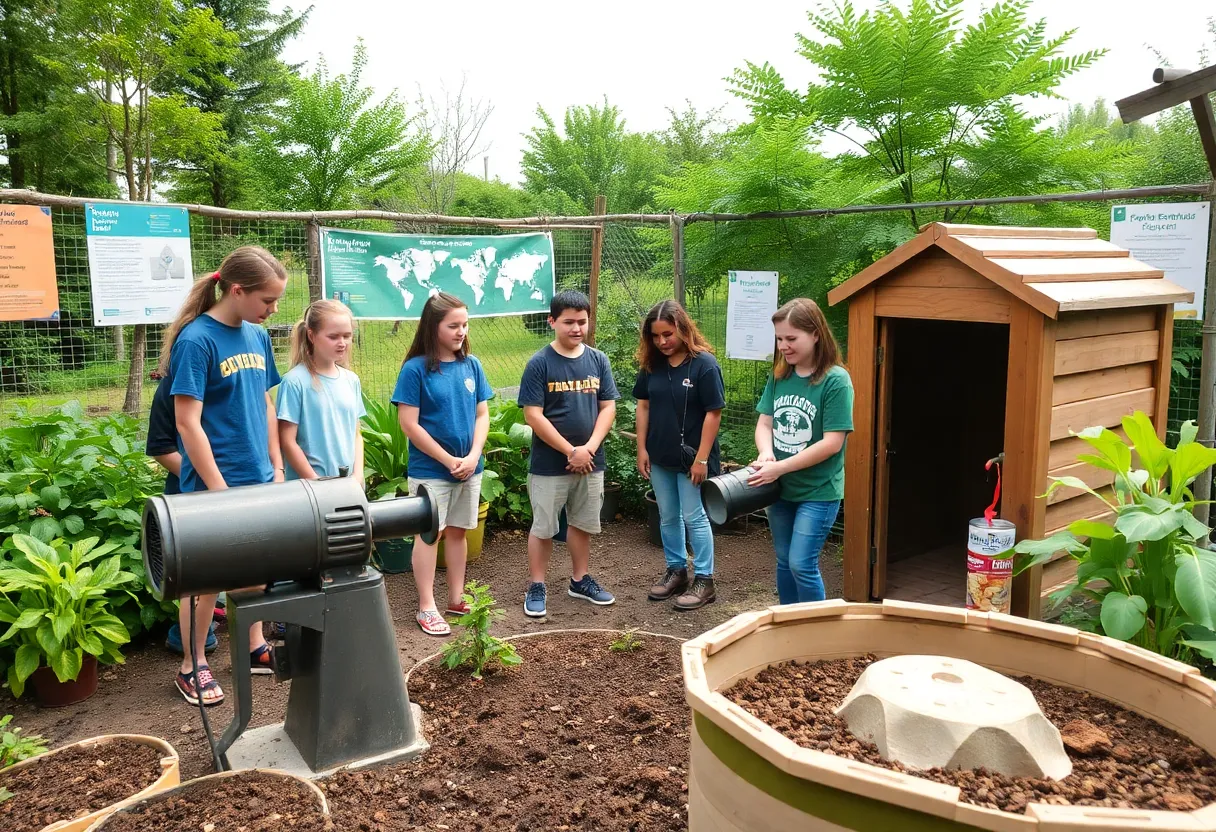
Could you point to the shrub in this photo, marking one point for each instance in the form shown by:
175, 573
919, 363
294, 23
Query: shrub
386, 450
505, 481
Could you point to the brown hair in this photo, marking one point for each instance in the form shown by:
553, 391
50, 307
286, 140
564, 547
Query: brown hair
302, 349
426, 338
805, 314
250, 267
671, 312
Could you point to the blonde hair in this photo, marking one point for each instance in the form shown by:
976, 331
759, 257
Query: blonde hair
250, 267
303, 351
805, 314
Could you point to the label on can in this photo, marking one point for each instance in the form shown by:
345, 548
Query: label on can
989, 565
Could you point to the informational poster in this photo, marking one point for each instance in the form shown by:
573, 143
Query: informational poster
751, 300
27, 264
139, 262
390, 276
1169, 235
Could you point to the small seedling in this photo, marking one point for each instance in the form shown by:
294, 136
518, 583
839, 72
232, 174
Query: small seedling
475, 646
13, 747
627, 641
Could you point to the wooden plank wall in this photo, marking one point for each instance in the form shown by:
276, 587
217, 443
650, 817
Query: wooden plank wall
1108, 364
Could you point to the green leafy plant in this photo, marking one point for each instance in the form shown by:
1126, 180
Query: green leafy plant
474, 645
627, 641
504, 483
14, 747
1155, 585
54, 597
386, 450
67, 475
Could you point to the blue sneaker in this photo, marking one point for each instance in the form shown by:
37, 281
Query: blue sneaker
534, 601
174, 639
589, 590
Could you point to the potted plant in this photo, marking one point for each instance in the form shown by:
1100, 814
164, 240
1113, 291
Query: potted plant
386, 457
53, 597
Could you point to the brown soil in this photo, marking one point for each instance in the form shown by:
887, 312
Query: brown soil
577, 737
76, 782
252, 802
138, 697
1119, 758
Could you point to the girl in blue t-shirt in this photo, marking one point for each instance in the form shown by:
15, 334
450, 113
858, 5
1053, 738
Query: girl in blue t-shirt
222, 368
320, 400
441, 397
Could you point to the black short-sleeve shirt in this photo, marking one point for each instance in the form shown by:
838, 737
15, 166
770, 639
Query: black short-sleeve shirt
162, 431
570, 391
696, 385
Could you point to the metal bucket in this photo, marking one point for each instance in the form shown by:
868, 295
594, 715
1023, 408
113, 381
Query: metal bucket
728, 496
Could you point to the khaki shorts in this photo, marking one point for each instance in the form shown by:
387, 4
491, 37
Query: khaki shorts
581, 494
457, 501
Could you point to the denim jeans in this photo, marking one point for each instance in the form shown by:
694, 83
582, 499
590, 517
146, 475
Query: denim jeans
679, 507
799, 531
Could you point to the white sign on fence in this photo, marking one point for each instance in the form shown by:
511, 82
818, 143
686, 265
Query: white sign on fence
1172, 236
139, 262
751, 300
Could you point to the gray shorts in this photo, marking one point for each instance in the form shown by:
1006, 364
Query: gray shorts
457, 502
581, 494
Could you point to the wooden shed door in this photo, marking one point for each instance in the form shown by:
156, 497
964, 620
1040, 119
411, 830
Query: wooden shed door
882, 455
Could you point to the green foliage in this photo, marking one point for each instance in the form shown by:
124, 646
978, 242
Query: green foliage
14, 747
327, 147
386, 450
1155, 585
621, 458
55, 601
69, 476
474, 645
504, 482
627, 641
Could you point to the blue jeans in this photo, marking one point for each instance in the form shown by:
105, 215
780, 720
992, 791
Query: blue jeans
799, 531
680, 507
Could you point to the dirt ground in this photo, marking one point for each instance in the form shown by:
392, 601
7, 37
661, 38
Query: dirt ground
139, 697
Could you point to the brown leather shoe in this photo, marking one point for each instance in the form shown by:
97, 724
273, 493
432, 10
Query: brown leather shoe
699, 594
673, 582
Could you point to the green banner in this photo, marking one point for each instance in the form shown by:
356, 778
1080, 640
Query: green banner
390, 276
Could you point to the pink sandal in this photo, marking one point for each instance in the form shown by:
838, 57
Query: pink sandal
432, 623
192, 692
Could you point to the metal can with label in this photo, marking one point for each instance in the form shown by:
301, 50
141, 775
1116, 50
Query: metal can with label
989, 564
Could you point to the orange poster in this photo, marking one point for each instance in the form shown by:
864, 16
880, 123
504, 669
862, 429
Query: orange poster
27, 264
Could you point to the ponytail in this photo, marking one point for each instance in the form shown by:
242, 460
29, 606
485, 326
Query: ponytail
302, 348
249, 267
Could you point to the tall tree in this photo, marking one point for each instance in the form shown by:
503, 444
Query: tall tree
596, 155
328, 147
455, 126
931, 105
694, 137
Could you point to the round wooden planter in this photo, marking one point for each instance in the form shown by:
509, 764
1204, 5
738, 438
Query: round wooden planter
128, 805
745, 775
169, 777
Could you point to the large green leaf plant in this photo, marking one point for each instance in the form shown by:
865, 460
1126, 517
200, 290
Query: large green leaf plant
386, 451
1154, 585
55, 598
504, 483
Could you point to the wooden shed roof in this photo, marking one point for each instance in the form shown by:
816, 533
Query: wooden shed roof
1054, 270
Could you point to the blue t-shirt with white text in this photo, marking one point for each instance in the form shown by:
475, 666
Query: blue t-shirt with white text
229, 369
447, 400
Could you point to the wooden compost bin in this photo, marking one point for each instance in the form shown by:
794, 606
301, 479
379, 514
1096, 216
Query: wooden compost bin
745, 776
969, 341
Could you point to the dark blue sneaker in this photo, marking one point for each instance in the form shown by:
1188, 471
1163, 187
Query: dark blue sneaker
589, 590
174, 640
534, 601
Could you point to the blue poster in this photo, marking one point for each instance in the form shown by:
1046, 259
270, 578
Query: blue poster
139, 262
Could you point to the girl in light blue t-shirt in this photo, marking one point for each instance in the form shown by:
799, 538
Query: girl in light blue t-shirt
320, 400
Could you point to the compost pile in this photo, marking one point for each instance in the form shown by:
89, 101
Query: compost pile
76, 782
1119, 758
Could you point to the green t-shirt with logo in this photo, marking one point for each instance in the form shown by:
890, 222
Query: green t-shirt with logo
802, 412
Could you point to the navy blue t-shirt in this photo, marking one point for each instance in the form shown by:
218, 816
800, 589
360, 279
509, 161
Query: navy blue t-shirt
162, 431
229, 369
447, 400
569, 390
680, 396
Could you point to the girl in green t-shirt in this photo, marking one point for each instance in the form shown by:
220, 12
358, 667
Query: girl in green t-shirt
806, 412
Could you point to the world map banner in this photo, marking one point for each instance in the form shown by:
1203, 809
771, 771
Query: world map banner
388, 277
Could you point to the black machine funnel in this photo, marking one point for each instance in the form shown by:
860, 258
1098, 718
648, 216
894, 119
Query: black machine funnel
728, 496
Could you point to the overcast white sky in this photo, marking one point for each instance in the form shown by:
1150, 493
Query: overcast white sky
646, 55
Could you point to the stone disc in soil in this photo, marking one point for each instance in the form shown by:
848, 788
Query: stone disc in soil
76, 782
248, 802
578, 737
1119, 758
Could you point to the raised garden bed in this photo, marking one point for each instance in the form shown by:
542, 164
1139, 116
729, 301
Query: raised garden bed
69, 788
578, 735
253, 801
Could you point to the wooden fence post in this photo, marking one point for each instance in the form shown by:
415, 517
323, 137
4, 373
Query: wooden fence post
597, 249
677, 249
314, 261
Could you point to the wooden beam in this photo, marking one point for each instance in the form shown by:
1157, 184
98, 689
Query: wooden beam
1106, 411
1166, 95
1107, 382
1206, 122
985, 305
597, 250
1106, 322
1164, 370
955, 229
1081, 355
1069, 270
1113, 294
859, 453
